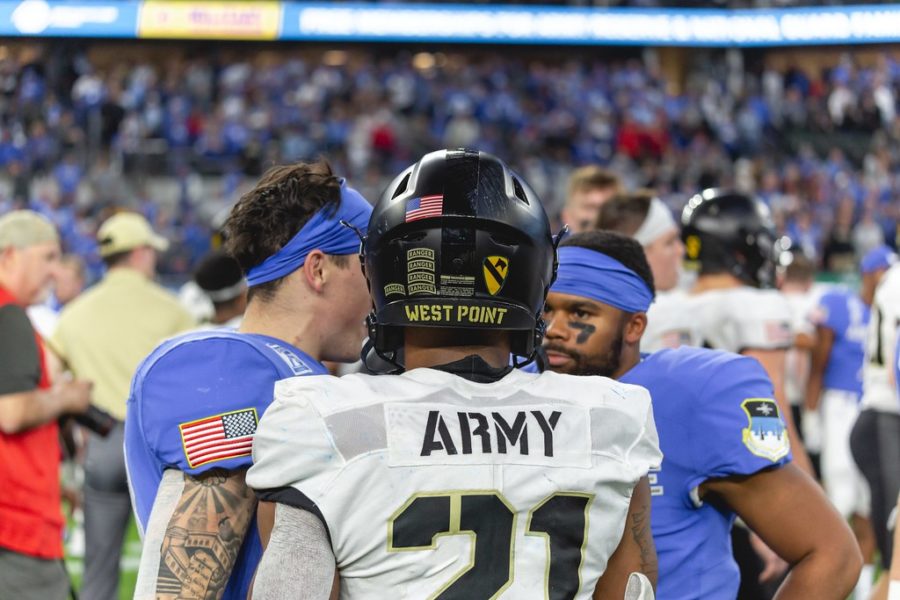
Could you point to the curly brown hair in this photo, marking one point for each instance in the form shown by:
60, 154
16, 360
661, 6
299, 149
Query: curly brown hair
269, 215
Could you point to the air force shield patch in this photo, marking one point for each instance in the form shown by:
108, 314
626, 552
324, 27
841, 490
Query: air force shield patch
765, 434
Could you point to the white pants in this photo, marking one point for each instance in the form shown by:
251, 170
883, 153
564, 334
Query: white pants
844, 484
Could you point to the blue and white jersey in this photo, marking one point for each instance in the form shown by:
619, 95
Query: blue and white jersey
194, 406
716, 417
846, 315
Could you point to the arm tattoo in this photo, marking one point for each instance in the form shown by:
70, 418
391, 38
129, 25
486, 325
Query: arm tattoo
204, 536
640, 532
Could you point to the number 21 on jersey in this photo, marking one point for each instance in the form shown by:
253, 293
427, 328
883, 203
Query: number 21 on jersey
489, 519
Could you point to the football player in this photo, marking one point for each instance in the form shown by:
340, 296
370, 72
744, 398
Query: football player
893, 592
841, 318
462, 477
875, 438
724, 443
645, 218
588, 188
730, 239
195, 401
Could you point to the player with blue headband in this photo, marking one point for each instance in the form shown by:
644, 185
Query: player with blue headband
196, 400
725, 446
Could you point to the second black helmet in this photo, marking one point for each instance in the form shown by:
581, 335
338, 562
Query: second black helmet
726, 231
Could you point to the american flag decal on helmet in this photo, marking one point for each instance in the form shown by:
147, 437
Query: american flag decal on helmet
424, 207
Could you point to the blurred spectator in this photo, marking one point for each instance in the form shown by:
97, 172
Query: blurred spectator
867, 233
589, 187
78, 138
31, 522
103, 335
68, 283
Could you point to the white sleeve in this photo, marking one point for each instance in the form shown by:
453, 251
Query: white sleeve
645, 453
292, 447
167, 496
298, 563
762, 321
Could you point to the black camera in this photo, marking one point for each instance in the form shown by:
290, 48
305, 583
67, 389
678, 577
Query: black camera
97, 420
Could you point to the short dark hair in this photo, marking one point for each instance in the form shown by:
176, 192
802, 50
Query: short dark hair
218, 271
116, 259
617, 246
269, 215
625, 213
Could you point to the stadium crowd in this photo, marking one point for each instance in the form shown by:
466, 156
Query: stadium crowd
76, 136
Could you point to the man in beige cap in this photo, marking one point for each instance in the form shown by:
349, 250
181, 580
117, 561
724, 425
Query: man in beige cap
102, 336
31, 523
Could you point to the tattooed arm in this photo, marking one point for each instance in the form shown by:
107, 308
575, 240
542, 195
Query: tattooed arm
635, 553
191, 553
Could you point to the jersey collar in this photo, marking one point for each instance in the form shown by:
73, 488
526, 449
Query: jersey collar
475, 369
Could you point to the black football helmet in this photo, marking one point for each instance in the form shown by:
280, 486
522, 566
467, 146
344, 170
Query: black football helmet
458, 240
728, 232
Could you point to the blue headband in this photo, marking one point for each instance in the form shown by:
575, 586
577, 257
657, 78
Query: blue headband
881, 257
594, 275
322, 232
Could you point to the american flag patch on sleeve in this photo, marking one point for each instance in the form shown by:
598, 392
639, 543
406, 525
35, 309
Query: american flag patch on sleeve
228, 435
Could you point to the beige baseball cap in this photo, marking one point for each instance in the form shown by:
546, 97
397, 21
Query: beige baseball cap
127, 231
24, 228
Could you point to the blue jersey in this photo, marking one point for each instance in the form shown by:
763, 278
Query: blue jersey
716, 417
845, 314
194, 406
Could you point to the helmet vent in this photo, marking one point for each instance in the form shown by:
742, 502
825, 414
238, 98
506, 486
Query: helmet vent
401, 187
519, 191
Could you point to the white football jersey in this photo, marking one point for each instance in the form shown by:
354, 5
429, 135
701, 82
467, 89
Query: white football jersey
797, 362
671, 323
434, 486
879, 391
741, 318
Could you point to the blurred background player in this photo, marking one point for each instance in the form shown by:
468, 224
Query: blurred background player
841, 319
588, 188
796, 276
221, 280
645, 218
596, 313
730, 239
102, 335
893, 584
196, 399
31, 401
875, 439
360, 466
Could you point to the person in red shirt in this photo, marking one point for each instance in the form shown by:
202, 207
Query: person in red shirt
31, 522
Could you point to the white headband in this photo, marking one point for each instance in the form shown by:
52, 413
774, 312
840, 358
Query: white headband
225, 294
659, 221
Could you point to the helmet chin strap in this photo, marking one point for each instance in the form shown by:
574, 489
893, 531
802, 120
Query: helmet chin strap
389, 360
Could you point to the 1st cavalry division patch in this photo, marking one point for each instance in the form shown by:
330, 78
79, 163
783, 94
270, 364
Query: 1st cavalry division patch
495, 270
